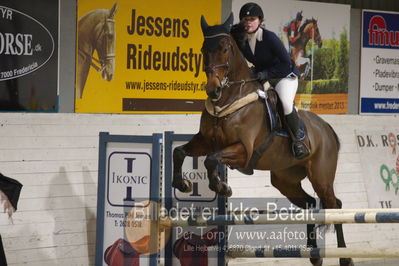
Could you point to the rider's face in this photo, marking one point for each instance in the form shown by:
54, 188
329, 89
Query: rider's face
251, 24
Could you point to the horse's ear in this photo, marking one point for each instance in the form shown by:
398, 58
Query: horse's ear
204, 25
113, 11
229, 22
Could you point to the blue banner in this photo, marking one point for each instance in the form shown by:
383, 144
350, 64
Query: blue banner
379, 105
380, 30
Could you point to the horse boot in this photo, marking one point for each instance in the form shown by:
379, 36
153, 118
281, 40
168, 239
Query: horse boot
299, 148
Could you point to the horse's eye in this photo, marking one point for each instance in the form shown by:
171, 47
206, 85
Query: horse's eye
225, 50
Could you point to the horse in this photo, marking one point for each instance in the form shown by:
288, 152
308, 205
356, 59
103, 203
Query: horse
96, 31
309, 30
233, 128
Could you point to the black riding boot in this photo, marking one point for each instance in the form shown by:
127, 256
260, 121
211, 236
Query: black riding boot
298, 135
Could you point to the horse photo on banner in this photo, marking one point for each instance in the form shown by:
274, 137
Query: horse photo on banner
96, 32
318, 43
141, 57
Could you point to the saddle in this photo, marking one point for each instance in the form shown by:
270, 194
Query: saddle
275, 113
278, 127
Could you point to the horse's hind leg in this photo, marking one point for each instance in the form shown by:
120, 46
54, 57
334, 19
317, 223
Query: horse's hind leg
234, 156
322, 182
288, 183
340, 238
197, 146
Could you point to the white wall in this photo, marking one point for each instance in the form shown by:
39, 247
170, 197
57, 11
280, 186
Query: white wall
55, 157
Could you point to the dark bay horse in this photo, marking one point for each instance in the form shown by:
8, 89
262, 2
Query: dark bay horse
232, 138
308, 31
96, 32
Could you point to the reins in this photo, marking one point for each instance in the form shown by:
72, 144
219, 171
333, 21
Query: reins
94, 61
225, 83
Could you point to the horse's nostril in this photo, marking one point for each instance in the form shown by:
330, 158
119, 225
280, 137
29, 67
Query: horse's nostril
215, 94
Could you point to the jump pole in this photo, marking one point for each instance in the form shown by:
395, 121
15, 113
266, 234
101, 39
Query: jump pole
316, 211
314, 253
303, 217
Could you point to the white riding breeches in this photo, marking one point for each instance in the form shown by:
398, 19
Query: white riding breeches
286, 89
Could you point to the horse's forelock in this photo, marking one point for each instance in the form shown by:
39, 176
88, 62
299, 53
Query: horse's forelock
210, 44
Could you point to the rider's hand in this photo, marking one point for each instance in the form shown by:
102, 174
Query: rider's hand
261, 76
253, 71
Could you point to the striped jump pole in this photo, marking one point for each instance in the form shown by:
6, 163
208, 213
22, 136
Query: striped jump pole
324, 216
314, 253
297, 210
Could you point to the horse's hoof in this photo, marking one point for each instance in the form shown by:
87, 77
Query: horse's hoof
346, 262
221, 188
184, 186
316, 261
225, 191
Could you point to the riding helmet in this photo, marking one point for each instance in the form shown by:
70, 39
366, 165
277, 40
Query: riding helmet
251, 10
299, 16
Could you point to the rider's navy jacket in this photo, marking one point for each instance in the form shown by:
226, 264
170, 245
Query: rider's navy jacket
271, 57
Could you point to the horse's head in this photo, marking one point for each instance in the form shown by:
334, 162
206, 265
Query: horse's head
316, 33
105, 45
216, 50
310, 30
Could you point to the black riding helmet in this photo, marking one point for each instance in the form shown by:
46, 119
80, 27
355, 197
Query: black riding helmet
299, 16
251, 10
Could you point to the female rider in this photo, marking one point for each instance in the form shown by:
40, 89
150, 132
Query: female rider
272, 63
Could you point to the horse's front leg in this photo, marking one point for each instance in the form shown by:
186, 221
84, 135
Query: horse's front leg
234, 156
196, 147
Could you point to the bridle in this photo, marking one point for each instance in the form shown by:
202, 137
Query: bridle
314, 32
225, 82
100, 64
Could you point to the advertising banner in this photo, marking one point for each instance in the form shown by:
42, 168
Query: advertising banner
208, 240
128, 191
379, 76
318, 43
379, 158
141, 57
28, 55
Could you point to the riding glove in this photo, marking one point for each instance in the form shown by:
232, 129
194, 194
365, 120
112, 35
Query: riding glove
262, 76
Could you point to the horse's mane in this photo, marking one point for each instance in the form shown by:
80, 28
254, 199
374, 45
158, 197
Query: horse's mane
93, 14
306, 23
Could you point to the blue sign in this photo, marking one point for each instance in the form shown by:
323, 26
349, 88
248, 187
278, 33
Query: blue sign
380, 30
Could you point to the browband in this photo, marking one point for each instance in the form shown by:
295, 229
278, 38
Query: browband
216, 35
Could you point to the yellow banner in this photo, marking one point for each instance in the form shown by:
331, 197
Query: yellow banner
323, 103
149, 55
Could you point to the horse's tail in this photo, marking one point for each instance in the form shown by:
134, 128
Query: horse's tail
335, 136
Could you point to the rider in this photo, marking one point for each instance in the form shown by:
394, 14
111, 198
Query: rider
292, 29
272, 63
